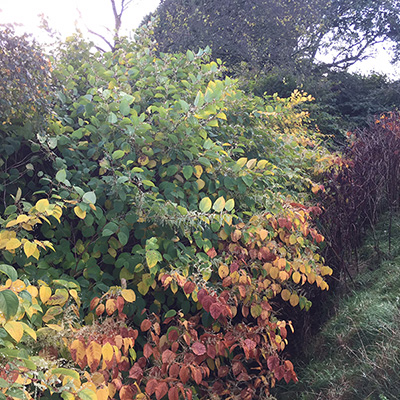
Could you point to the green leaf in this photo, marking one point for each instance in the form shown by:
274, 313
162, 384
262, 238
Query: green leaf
112, 118
9, 271
61, 175
124, 108
118, 154
110, 229
205, 204
148, 183
170, 313
89, 197
229, 205
9, 303
187, 171
87, 394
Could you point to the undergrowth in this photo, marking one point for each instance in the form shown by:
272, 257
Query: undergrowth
356, 355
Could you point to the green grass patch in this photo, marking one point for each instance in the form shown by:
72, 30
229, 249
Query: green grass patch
356, 355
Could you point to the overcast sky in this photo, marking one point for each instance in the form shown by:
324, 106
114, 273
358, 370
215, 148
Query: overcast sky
65, 15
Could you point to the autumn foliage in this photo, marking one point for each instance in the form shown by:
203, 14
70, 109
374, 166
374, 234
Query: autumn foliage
163, 217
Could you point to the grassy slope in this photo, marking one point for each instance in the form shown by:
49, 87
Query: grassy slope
357, 353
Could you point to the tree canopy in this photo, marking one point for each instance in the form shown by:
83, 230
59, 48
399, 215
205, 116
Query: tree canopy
280, 33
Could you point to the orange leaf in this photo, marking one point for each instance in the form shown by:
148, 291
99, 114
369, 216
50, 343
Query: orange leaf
93, 354
126, 393
102, 393
100, 309
145, 325
94, 303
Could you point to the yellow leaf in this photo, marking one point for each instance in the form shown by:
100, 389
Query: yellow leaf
29, 248
274, 272
128, 295
294, 300
263, 234
326, 271
198, 170
14, 329
13, 244
200, 184
251, 163
32, 290
292, 239
51, 313
219, 204
108, 352
242, 161
296, 277
42, 205
29, 330
285, 294
79, 212
55, 327
223, 271
44, 293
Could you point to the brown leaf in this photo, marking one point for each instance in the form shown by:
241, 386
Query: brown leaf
120, 303
126, 393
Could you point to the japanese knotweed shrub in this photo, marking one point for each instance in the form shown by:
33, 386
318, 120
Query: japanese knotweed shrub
195, 201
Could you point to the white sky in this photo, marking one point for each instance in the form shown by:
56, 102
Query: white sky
63, 16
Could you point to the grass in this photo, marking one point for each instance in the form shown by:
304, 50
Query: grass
356, 355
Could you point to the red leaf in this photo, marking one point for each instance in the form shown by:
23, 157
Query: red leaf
161, 390
147, 350
136, 373
145, 325
174, 370
168, 357
206, 303
151, 386
173, 393
211, 352
223, 371
216, 310
211, 253
249, 344
201, 294
173, 335
189, 287
279, 372
189, 394
198, 348
184, 374
273, 363
289, 365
